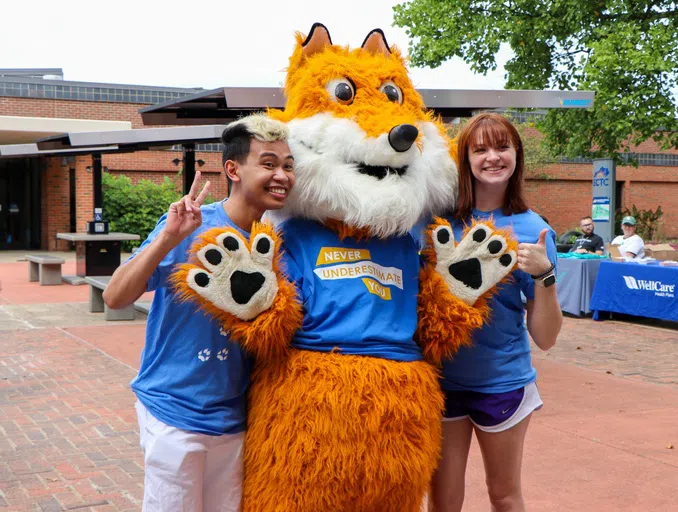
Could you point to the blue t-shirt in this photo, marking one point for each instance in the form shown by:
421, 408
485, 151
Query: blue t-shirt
499, 359
192, 375
358, 297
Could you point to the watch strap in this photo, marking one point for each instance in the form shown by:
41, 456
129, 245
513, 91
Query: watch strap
544, 274
546, 281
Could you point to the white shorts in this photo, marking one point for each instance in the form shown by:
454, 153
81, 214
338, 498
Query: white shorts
187, 471
493, 412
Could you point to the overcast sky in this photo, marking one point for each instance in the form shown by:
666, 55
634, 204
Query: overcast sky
199, 43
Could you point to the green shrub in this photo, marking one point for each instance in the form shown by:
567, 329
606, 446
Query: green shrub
572, 238
136, 208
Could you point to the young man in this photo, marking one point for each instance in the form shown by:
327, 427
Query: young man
631, 246
192, 381
589, 242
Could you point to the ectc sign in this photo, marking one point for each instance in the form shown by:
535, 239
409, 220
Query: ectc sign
600, 177
603, 200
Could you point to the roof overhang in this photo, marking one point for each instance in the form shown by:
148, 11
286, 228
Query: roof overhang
21, 130
225, 104
133, 140
31, 150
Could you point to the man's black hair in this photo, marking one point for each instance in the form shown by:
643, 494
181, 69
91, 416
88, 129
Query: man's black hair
236, 140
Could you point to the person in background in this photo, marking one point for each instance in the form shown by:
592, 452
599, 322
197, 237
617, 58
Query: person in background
192, 383
490, 387
589, 242
631, 246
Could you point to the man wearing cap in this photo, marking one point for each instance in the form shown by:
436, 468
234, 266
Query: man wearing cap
630, 244
589, 242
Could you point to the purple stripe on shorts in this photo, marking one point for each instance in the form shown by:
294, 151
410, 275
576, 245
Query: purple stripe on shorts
484, 409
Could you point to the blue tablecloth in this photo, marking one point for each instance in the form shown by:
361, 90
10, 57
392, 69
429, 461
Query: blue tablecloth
641, 290
576, 278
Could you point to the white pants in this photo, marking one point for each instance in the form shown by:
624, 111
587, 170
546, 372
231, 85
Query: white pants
188, 471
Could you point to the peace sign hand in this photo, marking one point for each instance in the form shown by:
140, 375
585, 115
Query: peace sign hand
532, 258
184, 216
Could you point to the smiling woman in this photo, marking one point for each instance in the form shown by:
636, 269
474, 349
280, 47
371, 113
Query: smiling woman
490, 386
495, 162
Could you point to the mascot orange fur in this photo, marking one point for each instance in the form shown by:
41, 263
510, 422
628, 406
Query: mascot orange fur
346, 325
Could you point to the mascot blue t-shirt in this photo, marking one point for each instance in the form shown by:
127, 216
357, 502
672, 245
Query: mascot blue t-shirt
373, 284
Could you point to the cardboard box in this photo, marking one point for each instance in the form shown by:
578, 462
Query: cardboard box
613, 251
661, 252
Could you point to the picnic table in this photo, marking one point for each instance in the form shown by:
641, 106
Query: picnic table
97, 254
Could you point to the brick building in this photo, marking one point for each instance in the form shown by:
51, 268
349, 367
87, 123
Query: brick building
42, 196
562, 191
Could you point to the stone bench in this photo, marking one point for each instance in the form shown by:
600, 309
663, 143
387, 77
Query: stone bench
97, 285
44, 268
143, 306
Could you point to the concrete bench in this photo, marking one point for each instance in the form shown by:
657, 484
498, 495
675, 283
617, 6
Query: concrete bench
44, 268
143, 306
97, 285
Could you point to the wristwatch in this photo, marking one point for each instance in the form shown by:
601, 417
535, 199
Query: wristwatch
547, 278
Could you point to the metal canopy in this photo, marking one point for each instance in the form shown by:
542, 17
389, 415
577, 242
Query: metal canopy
31, 150
137, 139
228, 103
218, 105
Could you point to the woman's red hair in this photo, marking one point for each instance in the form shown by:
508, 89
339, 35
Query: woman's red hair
494, 130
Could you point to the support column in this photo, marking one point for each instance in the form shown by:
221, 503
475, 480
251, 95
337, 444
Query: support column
98, 225
603, 197
188, 172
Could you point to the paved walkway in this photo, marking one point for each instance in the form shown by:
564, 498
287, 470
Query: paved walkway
69, 437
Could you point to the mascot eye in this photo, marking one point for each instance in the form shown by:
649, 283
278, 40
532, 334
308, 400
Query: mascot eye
341, 90
392, 92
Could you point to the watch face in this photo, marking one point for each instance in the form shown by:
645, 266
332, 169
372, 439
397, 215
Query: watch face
548, 281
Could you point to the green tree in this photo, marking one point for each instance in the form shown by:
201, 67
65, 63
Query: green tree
624, 50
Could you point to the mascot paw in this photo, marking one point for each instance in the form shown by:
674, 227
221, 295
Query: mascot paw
476, 264
234, 278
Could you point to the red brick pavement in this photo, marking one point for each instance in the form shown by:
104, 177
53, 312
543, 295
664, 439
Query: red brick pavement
69, 438
16, 289
69, 433
641, 352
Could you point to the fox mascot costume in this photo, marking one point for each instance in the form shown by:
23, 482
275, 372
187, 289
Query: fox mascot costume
346, 325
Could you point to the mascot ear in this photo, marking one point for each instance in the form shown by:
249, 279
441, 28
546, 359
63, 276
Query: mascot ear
317, 40
375, 42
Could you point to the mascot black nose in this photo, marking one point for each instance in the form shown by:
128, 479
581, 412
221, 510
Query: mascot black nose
402, 137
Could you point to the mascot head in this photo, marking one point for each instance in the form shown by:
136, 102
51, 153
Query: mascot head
367, 153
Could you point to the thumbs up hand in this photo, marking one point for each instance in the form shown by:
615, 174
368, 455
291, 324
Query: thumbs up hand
532, 258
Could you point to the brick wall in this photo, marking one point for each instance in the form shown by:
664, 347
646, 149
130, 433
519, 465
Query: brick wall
55, 205
560, 192
71, 109
84, 193
148, 165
